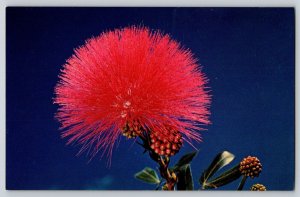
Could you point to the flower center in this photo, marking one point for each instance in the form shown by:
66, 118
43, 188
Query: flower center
126, 104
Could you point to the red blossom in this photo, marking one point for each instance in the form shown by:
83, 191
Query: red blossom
126, 75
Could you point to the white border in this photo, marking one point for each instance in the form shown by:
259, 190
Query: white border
160, 3
186, 3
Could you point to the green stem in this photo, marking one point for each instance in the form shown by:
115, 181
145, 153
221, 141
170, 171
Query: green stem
163, 163
165, 173
242, 183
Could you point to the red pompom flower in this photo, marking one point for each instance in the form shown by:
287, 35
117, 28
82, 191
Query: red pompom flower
131, 79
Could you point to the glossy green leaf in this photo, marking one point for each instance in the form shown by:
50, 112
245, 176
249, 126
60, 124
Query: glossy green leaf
185, 178
148, 175
221, 160
185, 159
225, 178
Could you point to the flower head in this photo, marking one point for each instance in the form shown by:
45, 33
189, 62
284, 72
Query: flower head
130, 77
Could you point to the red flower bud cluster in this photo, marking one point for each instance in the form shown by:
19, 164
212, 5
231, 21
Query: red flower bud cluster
258, 187
250, 166
132, 129
167, 143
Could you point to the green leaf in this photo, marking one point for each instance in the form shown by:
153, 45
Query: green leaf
148, 175
185, 178
221, 160
225, 178
185, 159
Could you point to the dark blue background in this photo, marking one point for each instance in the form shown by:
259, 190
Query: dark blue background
247, 53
